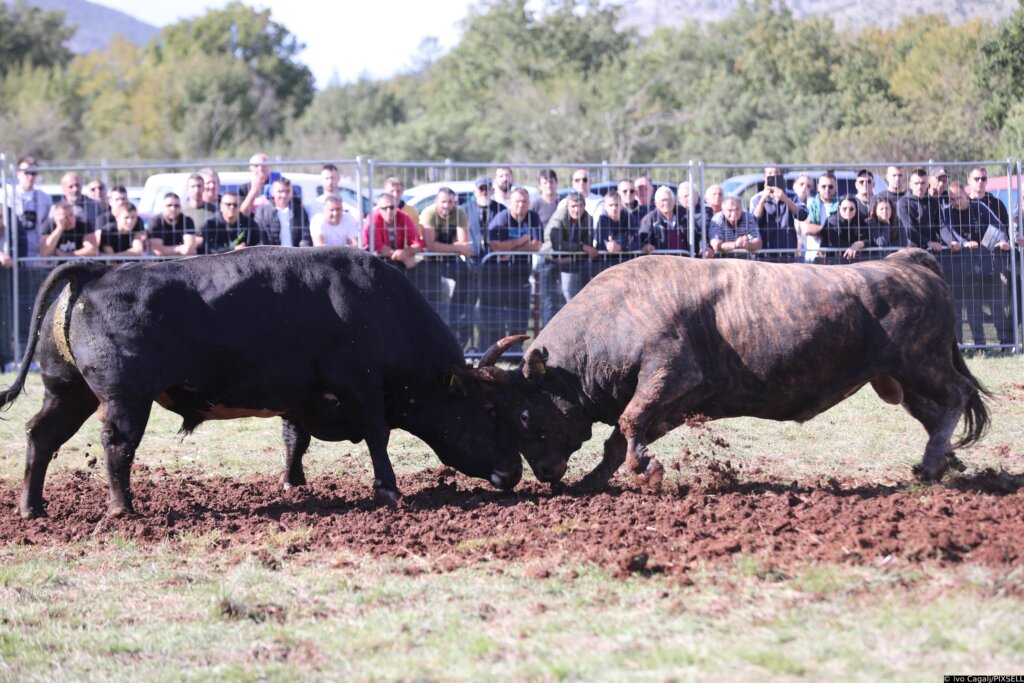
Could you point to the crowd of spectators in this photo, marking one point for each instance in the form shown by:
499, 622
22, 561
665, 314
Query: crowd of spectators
548, 245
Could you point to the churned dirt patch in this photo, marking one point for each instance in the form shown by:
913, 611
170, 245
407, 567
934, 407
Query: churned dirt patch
446, 520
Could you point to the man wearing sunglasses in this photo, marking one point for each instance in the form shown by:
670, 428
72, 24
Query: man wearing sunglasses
229, 229
28, 207
395, 237
821, 207
977, 184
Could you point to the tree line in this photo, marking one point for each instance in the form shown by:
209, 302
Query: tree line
523, 85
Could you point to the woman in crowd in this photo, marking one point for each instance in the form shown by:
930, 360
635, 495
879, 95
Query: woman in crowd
884, 226
845, 229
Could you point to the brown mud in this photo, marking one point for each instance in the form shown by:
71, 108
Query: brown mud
445, 520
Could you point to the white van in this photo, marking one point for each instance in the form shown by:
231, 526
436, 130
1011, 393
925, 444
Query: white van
306, 186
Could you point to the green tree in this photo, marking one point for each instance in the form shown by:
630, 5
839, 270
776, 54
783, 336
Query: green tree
32, 36
250, 57
1000, 73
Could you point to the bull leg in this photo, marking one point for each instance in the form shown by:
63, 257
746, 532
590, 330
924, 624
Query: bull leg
385, 486
296, 441
123, 426
614, 456
938, 406
57, 421
642, 417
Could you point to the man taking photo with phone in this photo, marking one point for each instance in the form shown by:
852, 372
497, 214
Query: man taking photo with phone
776, 210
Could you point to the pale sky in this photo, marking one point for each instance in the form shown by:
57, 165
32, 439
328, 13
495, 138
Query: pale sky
349, 37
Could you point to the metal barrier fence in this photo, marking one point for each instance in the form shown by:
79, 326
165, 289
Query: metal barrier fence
505, 293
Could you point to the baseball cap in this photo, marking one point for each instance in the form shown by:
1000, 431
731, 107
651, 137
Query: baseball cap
483, 180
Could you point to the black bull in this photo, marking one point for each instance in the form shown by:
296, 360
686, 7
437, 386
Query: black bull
336, 343
658, 339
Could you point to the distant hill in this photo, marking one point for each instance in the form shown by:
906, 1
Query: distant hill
97, 24
646, 14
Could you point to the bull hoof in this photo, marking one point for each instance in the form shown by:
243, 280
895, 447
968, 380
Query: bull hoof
290, 483
929, 475
121, 510
31, 511
652, 477
387, 497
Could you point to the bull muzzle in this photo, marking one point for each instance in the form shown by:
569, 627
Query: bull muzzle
506, 480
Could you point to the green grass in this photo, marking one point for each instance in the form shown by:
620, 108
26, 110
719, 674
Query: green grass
112, 609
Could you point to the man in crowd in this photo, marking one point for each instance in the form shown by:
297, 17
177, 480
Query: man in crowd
547, 202
446, 242
572, 233
617, 229
505, 280
196, 207
65, 234
87, 209
395, 187
252, 192
822, 206
333, 226
172, 233
630, 202
895, 188
777, 209
228, 229
644, 192
865, 184
479, 212
666, 227
211, 186
116, 198
977, 188
284, 221
30, 207
938, 184
96, 190
394, 236
504, 181
733, 231
977, 266
919, 214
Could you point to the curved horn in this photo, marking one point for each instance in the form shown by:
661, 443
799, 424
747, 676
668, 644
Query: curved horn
499, 347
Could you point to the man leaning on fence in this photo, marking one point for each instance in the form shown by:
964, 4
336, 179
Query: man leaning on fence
284, 220
734, 232
570, 233
665, 227
505, 286
229, 229
394, 237
976, 267
66, 234
447, 245
172, 233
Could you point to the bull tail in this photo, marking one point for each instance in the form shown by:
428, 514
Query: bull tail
976, 417
75, 273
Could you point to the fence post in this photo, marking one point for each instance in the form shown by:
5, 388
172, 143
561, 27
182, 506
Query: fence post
359, 190
370, 231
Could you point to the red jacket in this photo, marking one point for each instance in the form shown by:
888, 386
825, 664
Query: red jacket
405, 232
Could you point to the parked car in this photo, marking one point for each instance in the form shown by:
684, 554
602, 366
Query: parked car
747, 185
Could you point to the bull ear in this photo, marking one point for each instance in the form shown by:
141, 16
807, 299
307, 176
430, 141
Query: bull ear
499, 347
535, 363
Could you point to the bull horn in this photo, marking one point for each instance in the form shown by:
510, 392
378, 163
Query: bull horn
499, 347
534, 365
490, 375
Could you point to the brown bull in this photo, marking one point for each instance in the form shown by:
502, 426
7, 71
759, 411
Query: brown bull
658, 339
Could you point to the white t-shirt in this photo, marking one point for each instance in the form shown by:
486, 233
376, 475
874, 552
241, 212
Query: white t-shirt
335, 235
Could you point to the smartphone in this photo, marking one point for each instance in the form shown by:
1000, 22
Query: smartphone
775, 181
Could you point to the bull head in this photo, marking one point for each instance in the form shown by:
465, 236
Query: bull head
485, 371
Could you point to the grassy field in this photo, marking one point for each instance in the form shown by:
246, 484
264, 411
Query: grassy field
113, 609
